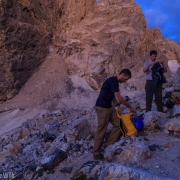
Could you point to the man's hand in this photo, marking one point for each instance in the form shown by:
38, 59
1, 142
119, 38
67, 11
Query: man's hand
132, 109
119, 110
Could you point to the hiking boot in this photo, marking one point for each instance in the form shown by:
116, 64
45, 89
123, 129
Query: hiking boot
99, 157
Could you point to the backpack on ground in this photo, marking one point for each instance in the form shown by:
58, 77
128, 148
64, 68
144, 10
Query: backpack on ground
130, 124
173, 99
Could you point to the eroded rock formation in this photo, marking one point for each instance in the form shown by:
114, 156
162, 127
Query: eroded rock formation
94, 40
26, 31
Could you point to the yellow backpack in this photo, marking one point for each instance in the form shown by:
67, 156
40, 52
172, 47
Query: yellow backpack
126, 125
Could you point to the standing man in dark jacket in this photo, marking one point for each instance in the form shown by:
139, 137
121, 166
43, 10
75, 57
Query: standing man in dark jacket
149, 87
106, 113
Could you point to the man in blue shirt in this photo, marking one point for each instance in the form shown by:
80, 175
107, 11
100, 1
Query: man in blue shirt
106, 113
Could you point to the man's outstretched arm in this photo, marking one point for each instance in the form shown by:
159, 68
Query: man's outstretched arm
120, 99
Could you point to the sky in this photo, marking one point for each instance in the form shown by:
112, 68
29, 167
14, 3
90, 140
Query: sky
163, 14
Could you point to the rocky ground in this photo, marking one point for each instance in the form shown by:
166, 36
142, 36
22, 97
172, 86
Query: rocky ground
58, 145
48, 136
47, 129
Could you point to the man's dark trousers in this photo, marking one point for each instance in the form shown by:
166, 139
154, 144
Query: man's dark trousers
149, 95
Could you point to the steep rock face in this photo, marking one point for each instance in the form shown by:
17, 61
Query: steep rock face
108, 41
168, 47
114, 37
24, 44
27, 28
94, 39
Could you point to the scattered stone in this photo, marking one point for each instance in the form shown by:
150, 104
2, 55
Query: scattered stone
142, 104
32, 166
168, 145
16, 148
146, 139
30, 148
173, 125
157, 166
18, 176
25, 131
118, 151
46, 145
166, 132
154, 147
161, 122
90, 164
74, 154
50, 137
84, 171
38, 173
54, 159
66, 169
177, 134
52, 126
76, 147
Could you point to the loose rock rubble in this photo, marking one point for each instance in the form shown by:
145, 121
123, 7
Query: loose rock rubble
60, 145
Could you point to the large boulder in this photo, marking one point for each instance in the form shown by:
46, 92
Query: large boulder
173, 66
53, 160
175, 111
128, 151
154, 119
118, 171
80, 129
176, 81
173, 125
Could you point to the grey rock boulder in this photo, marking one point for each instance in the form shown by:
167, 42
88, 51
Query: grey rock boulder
54, 159
118, 171
176, 80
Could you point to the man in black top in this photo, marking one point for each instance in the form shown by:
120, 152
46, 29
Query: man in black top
106, 113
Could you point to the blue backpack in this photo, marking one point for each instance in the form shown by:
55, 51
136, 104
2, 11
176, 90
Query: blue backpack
138, 122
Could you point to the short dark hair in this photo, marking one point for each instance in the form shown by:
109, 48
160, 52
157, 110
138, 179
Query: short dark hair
127, 72
153, 52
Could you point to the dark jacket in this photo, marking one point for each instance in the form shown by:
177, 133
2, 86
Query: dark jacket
158, 75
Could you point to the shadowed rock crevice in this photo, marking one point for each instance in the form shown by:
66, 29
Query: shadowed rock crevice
27, 28
24, 45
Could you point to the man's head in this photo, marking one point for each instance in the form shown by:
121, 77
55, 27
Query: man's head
124, 75
153, 55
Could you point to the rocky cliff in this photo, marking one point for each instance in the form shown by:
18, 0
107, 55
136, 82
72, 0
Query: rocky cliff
27, 29
92, 40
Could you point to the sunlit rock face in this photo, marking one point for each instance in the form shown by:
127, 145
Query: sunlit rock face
95, 40
115, 36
